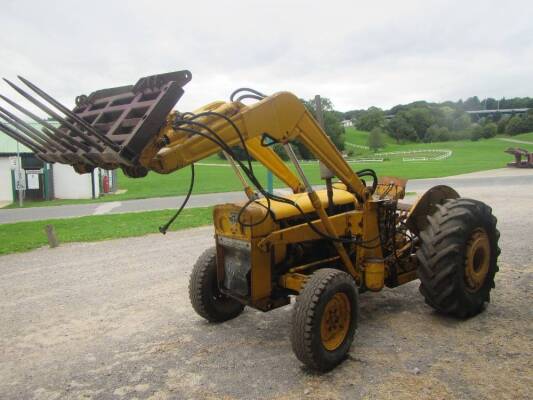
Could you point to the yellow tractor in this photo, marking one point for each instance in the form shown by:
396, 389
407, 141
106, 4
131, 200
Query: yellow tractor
323, 247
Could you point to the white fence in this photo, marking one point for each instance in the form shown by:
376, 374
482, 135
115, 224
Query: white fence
362, 160
429, 155
444, 153
357, 146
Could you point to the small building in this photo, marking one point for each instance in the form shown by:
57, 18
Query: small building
45, 181
347, 123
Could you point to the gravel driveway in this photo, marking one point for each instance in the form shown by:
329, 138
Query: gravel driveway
112, 320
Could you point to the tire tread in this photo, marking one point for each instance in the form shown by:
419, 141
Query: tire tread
304, 315
441, 256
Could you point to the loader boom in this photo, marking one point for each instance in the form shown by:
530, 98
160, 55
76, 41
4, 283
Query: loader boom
281, 117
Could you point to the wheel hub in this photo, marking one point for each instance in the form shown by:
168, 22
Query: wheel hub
477, 260
335, 321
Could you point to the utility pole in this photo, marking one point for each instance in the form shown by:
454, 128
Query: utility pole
19, 181
270, 182
325, 172
270, 176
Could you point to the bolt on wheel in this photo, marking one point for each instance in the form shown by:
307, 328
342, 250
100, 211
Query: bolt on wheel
325, 319
335, 321
477, 260
458, 257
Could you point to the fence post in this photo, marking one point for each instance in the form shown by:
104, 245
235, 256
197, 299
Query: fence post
52, 237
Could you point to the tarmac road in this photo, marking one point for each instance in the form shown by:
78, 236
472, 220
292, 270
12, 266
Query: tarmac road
498, 177
112, 320
115, 207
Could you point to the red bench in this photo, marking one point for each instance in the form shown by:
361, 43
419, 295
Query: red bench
518, 153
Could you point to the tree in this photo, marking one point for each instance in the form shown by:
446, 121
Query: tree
400, 129
432, 134
443, 134
334, 129
490, 103
437, 133
477, 132
420, 118
490, 130
514, 126
375, 139
472, 104
520, 124
353, 115
370, 119
325, 102
462, 122
527, 122
445, 116
502, 124
332, 126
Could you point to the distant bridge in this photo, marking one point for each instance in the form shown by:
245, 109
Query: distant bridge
484, 113
508, 111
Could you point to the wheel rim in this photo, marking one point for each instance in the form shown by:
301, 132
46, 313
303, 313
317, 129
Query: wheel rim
335, 321
477, 260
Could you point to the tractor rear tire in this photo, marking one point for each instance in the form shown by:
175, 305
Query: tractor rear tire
205, 296
458, 257
324, 319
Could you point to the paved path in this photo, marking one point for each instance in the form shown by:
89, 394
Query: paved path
515, 141
112, 320
115, 207
496, 178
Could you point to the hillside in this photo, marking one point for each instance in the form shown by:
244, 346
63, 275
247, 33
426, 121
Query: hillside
466, 156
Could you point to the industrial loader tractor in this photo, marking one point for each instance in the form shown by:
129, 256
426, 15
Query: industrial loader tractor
324, 247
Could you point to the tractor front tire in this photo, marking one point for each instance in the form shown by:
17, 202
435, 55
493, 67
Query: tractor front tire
325, 319
205, 296
458, 257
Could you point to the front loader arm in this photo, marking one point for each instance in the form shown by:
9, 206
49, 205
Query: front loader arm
282, 117
266, 156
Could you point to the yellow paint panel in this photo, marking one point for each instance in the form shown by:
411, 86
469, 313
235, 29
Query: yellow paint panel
282, 211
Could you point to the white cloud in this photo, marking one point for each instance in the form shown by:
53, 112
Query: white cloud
356, 53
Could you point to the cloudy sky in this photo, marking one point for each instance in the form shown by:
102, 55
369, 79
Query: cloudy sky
356, 53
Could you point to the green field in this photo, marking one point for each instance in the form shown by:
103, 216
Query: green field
528, 137
467, 157
24, 236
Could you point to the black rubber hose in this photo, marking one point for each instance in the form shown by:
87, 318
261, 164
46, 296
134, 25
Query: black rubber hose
163, 229
232, 96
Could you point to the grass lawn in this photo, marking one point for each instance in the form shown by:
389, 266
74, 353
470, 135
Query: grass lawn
467, 157
24, 236
528, 137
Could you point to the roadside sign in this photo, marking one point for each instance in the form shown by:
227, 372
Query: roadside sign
13, 163
33, 180
20, 181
